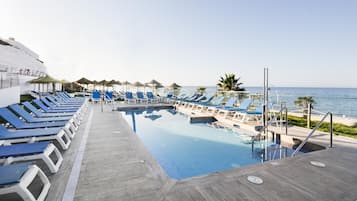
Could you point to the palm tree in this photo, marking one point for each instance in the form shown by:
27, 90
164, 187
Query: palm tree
230, 83
201, 90
304, 101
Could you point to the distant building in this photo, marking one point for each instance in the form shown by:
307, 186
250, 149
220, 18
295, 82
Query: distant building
18, 64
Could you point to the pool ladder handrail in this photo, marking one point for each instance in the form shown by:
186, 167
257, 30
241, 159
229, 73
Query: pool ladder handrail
285, 110
313, 131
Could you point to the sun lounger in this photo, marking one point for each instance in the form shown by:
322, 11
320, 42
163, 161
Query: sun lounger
52, 110
35, 135
202, 102
140, 97
27, 116
187, 103
151, 97
213, 109
17, 123
109, 97
241, 108
32, 151
65, 98
129, 98
58, 107
217, 102
256, 114
39, 113
96, 97
62, 103
17, 178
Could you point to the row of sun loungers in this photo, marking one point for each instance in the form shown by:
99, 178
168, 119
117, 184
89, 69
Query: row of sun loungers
34, 131
129, 97
214, 106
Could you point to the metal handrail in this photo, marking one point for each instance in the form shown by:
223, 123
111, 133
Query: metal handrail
313, 131
286, 118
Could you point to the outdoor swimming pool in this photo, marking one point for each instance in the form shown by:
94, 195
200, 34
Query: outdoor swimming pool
184, 150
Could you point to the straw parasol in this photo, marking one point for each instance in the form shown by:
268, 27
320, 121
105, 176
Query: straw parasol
154, 82
103, 83
126, 83
63, 82
112, 83
174, 86
45, 80
84, 80
146, 85
137, 85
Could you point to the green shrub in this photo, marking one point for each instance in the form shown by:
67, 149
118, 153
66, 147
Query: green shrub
338, 128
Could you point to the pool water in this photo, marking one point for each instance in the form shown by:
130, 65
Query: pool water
184, 150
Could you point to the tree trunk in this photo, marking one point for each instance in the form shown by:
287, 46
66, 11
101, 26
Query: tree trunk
309, 115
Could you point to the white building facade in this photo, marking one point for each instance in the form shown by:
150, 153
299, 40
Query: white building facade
18, 64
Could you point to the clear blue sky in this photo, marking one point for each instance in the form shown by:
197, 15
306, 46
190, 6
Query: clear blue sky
192, 42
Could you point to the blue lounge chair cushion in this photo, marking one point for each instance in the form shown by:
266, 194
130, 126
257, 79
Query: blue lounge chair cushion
23, 149
257, 111
38, 113
61, 103
242, 107
109, 95
7, 135
140, 95
129, 95
96, 95
27, 116
11, 174
215, 103
51, 110
229, 103
54, 106
150, 95
19, 124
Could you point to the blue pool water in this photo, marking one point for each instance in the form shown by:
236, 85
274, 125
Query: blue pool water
185, 150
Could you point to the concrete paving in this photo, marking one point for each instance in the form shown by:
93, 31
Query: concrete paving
117, 166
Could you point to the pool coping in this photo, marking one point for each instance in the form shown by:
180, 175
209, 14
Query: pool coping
290, 179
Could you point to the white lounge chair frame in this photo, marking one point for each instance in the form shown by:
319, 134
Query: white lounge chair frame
45, 157
21, 188
61, 137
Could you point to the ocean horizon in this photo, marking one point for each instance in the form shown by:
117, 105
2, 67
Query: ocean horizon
339, 101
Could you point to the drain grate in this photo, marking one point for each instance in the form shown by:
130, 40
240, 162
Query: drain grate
255, 180
317, 164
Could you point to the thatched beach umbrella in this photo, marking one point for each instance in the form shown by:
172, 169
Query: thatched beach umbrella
112, 83
84, 81
126, 83
137, 85
146, 85
155, 85
63, 82
174, 86
103, 83
153, 82
45, 80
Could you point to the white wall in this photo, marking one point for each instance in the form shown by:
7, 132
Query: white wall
9, 96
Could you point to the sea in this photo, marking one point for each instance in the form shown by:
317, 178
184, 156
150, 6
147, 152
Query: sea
339, 101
